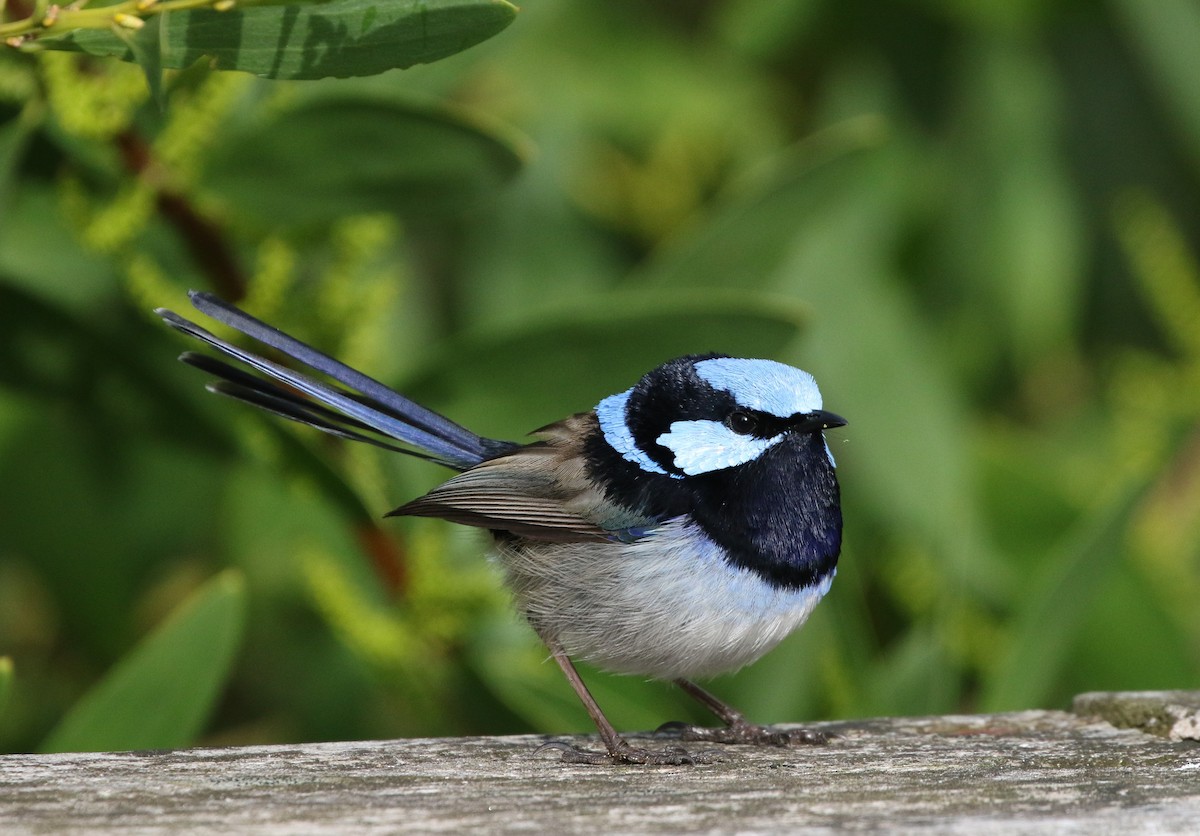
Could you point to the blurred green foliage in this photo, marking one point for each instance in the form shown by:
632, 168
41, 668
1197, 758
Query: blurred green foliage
160, 693
976, 223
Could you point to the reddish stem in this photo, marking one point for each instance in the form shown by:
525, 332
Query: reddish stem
203, 237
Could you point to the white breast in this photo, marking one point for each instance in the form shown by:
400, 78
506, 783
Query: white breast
668, 605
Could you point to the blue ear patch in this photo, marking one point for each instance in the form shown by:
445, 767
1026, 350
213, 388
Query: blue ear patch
611, 412
704, 446
763, 385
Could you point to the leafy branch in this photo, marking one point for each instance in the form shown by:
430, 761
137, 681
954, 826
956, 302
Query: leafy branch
129, 15
282, 39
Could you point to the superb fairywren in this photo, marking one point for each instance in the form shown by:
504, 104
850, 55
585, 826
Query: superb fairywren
680, 529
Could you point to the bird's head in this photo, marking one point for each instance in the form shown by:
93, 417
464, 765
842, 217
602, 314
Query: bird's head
704, 413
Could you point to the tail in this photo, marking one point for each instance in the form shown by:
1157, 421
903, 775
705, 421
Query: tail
365, 411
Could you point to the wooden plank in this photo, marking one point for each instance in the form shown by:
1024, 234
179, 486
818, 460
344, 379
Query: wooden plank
1035, 770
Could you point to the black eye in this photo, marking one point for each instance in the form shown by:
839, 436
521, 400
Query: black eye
742, 423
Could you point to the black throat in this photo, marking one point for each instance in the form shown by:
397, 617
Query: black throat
778, 516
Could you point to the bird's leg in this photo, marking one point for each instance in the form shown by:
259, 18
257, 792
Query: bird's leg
737, 728
619, 751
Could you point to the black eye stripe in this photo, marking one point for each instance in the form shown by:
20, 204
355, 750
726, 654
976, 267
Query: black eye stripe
752, 422
757, 424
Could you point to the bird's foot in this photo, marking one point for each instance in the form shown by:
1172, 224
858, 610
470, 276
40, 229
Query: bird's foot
747, 734
623, 753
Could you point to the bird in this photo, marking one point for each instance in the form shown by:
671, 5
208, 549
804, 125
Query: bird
678, 530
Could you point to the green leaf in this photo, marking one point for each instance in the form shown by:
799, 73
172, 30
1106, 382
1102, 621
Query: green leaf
535, 248
1130, 639
341, 38
14, 136
1056, 605
1165, 33
1013, 231
159, 695
750, 233
6, 681
295, 167
148, 45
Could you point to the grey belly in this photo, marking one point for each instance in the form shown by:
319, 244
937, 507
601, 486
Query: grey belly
666, 606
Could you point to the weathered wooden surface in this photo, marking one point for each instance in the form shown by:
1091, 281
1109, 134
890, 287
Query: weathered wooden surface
1174, 715
1026, 772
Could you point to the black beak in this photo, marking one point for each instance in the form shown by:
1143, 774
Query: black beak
812, 422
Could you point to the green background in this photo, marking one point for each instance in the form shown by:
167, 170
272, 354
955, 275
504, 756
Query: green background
977, 223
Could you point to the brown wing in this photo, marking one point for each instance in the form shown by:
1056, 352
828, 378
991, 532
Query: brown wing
539, 491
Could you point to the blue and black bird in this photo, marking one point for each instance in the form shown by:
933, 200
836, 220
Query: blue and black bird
679, 530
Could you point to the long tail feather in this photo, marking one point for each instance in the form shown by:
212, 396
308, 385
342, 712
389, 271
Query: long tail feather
239, 385
371, 408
